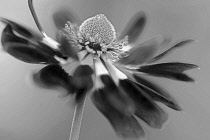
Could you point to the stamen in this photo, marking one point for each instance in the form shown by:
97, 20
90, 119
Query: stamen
115, 50
97, 36
98, 27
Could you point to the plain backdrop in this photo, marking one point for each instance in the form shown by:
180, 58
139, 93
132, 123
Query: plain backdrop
30, 113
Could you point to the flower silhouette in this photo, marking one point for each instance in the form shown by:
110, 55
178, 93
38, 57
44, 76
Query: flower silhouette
92, 59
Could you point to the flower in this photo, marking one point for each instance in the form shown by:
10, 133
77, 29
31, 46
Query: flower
92, 58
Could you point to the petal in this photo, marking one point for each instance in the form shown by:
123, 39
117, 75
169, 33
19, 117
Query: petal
23, 31
142, 52
67, 48
134, 28
32, 49
172, 70
61, 17
112, 105
121, 102
165, 53
170, 66
146, 109
53, 76
82, 81
156, 92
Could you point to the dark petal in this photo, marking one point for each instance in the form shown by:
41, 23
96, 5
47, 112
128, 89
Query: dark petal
29, 54
49, 50
23, 31
172, 70
61, 17
141, 53
165, 53
67, 49
31, 50
156, 93
82, 81
112, 105
53, 76
170, 66
134, 27
146, 108
9, 37
24, 50
118, 100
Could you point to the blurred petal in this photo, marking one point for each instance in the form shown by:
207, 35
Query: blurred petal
156, 93
114, 106
134, 28
32, 49
119, 100
67, 49
63, 15
82, 81
23, 31
165, 53
142, 52
146, 108
172, 70
53, 76
170, 66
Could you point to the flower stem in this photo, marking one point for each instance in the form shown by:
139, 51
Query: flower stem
77, 120
31, 7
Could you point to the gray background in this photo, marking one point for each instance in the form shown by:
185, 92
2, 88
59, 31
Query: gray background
30, 113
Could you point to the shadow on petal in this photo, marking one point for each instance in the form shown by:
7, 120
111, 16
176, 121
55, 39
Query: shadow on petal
134, 27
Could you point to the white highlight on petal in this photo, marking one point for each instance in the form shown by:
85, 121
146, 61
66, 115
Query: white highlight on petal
88, 61
51, 42
114, 72
99, 70
62, 61
117, 72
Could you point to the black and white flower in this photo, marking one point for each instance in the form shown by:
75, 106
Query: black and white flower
92, 58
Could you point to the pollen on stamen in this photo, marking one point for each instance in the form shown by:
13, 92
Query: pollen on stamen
98, 27
97, 36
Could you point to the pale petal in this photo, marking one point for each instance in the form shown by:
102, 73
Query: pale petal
134, 27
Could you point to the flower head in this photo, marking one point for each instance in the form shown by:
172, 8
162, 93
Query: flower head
98, 28
97, 36
114, 76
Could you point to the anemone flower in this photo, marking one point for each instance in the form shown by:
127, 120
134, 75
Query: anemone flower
92, 59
